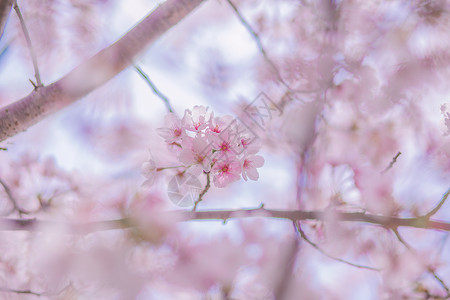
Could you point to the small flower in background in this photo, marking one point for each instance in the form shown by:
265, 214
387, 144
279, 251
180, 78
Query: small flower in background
173, 131
249, 165
149, 171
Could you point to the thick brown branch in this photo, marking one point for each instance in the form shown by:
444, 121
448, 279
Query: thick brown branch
7, 224
5, 9
94, 72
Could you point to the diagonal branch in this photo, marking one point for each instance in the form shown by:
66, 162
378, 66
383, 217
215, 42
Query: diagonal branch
30, 47
12, 199
259, 44
93, 72
5, 9
393, 161
302, 234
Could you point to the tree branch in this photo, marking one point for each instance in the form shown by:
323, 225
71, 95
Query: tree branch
204, 191
439, 205
259, 44
12, 199
154, 88
94, 72
430, 269
5, 8
30, 47
7, 224
302, 234
393, 161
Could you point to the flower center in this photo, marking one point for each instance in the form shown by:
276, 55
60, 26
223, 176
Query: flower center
244, 142
246, 163
225, 169
199, 158
224, 146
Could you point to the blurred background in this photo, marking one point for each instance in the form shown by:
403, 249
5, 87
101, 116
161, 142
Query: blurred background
357, 82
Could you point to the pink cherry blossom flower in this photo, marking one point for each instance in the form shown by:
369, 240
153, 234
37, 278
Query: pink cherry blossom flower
197, 119
196, 152
226, 172
173, 131
249, 144
226, 143
249, 165
149, 171
218, 124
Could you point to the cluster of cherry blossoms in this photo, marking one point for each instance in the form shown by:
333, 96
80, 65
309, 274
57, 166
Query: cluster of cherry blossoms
221, 147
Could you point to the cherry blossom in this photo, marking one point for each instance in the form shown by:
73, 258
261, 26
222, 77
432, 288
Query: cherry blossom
197, 119
212, 145
226, 172
194, 154
149, 170
173, 130
249, 165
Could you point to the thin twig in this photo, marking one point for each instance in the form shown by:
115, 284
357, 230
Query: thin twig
399, 237
154, 88
429, 269
439, 205
302, 234
30, 292
205, 190
12, 199
260, 45
393, 161
30, 46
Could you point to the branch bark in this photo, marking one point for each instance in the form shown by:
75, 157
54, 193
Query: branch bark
5, 9
94, 72
7, 224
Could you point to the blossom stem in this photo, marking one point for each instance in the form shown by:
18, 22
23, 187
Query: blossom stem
207, 186
174, 167
30, 47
